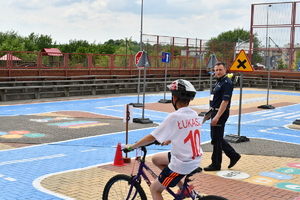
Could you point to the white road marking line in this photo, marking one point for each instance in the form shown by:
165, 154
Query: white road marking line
261, 112
266, 131
294, 116
10, 179
272, 114
89, 150
110, 106
31, 159
266, 118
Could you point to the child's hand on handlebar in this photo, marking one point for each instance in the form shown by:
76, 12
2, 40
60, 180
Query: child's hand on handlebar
166, 143
128, 147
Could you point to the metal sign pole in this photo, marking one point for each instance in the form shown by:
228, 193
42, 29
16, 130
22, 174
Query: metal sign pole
165, 59
210, 64
139, 83
201, 59
213, 62
165, 85
144, 87
138, 104
241, 64
144, 61
210, 81
240, 104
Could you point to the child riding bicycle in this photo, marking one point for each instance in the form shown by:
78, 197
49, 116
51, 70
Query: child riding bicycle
182, 129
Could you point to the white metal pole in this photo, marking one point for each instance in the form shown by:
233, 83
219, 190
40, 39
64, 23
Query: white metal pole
267, 54
141, 49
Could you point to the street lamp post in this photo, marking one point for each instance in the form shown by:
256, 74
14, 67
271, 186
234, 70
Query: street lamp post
141, 36
138, 104
267, 62
141, 49
144, 56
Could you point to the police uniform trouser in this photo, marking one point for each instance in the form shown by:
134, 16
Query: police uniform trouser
218, 142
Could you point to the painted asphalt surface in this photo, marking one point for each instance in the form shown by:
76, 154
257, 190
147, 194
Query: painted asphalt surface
21, 169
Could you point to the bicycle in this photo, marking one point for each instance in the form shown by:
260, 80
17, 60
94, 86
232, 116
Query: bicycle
127, 187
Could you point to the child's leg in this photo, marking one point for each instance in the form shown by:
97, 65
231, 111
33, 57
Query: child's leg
161, 160
156, 189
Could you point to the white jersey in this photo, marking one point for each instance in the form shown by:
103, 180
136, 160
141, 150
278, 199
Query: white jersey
183, 128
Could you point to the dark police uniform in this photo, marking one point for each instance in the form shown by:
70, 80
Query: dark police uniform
222, 90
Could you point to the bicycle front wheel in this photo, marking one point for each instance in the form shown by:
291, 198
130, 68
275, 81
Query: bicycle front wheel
212, 197
117, 188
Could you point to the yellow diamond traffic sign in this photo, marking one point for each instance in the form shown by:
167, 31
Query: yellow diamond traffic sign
241, 63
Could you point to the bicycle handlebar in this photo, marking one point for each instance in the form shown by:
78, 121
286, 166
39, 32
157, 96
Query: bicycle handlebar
143, 147
154, 142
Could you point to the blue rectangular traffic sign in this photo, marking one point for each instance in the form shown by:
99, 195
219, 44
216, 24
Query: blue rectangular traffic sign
165, 57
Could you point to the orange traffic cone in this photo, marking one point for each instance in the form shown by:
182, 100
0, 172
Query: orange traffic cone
119, 157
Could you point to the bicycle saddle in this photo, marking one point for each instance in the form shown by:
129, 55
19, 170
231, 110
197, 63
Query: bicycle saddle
197, 170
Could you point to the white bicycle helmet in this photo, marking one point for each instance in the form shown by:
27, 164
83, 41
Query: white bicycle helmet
182, 89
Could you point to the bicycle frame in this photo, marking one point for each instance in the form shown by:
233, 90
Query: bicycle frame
141, 173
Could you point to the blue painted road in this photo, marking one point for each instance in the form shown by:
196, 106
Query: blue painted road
21, 169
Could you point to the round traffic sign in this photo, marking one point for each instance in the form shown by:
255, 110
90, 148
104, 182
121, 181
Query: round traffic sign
138, 57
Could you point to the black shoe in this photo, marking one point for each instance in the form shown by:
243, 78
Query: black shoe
234, 161
211, 168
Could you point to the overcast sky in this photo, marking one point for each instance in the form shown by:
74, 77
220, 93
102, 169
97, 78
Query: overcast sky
101, 20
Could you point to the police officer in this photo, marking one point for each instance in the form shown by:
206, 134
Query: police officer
220, 100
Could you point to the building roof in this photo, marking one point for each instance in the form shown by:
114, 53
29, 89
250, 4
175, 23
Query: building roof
51, 52
9, 56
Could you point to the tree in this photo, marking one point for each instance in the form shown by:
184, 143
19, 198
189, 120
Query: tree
109, 47
280, 64
8, 34
12, 44
43, 41
126, 47
73, 46
11, 41
30, 42
297, 60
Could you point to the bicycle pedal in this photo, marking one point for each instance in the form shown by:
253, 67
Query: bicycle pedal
190, 180
198, 195
183, 198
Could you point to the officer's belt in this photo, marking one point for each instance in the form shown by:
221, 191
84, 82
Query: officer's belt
217, 109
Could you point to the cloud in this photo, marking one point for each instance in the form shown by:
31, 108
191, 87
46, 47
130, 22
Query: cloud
27, 5
37, 4
76, 13
123, 6
102, 20
59, 3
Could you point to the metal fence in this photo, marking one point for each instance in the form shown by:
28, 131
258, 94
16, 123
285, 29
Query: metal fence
85, 61
185, 51
277, 27
64, 60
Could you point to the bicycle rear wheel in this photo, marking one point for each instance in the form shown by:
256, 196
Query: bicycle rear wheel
212, 197
117, 188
